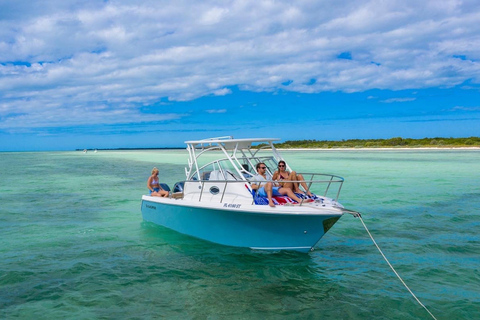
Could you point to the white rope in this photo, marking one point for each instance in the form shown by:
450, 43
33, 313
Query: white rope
391, 267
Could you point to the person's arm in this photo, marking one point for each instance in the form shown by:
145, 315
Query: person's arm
275, 175
149, 182
254, 184
275, 178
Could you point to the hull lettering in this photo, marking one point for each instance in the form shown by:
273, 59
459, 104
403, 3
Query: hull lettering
232, 205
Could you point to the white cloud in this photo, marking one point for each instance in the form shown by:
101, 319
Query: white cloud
216, 111
392, 100
462, 108
222, 92
69, 57
213, 15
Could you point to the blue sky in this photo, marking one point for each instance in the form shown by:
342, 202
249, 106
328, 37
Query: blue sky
111, 74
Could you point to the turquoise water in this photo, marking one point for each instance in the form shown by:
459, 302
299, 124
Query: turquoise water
73, 243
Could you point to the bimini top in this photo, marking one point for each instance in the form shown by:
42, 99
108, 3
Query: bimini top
228, 142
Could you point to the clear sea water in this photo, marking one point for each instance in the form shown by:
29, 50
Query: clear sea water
73, 244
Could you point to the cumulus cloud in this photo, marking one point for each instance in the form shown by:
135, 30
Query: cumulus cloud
65, 62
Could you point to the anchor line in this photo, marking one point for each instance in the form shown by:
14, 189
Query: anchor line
358, 215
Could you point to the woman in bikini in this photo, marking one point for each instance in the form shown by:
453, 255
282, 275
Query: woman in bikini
153, 185
289, 179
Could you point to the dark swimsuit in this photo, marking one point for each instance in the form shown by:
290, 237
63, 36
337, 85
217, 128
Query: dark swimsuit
281, 177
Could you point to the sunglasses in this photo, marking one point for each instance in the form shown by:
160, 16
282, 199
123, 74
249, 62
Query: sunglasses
281, 165
262, 167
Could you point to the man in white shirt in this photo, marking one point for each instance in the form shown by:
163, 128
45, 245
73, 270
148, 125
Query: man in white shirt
267, 189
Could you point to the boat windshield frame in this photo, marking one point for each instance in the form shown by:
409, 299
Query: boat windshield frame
237, 153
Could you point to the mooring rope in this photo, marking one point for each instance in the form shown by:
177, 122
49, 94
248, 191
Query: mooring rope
358, 215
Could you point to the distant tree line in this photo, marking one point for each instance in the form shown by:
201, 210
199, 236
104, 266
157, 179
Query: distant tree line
382, 143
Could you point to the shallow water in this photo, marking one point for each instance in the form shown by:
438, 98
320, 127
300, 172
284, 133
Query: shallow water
73, 243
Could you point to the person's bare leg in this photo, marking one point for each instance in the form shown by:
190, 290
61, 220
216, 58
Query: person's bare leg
289, 192
163, 193
288, 184
293, 177
268, 190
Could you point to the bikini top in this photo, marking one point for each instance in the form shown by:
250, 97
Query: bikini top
282, 177
154, 182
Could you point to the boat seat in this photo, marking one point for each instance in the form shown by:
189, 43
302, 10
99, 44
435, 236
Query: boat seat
178, 187
216, 175
206, 175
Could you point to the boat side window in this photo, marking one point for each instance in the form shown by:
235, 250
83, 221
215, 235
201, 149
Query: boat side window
205, 172
213, 171
218, 170
228, 170
230, 175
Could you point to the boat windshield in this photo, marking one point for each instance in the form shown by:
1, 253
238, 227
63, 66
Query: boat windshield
224, 169
217, 170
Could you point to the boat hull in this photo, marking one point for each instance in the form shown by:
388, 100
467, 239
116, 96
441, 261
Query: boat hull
262, 228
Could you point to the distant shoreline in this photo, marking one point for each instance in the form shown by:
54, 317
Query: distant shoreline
306, 149
381, 144
398, 143
379, 148
129, 149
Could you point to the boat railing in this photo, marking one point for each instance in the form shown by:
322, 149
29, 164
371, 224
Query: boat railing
320, 184
313, 179
329, 180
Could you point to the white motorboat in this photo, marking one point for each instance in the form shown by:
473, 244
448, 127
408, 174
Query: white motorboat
217, 203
